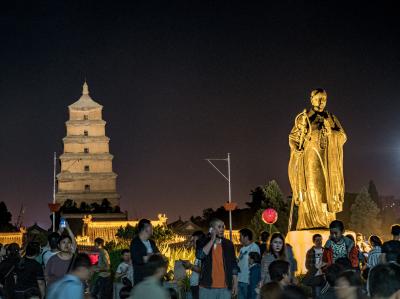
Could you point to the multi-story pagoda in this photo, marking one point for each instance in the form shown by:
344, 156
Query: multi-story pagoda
86, 164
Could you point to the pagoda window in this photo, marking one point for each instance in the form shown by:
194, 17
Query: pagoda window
86, 133
86, 150
85, 117
87, 188
87, 168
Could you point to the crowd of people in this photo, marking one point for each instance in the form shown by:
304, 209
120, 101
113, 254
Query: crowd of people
57, 271
342, 267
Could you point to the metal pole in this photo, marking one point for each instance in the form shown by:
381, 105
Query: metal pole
54, 189
230, 198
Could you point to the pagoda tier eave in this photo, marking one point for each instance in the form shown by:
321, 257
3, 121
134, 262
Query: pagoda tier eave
85, 105
83, 156
83, 109
99, 194
81, 139
85, 122
67, 176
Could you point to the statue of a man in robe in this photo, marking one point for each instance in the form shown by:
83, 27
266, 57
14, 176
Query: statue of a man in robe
316, 164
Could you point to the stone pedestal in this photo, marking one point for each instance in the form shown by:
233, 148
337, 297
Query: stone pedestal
301, 241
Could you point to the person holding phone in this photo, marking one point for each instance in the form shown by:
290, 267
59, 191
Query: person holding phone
60, 263
219, 269
66, 230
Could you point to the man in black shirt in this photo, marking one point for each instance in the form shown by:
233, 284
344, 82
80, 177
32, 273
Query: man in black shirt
30, 278
7, 270
263, 242
142, 248
391, 249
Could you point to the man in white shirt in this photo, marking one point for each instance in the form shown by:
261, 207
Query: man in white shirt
51, 249
246, 239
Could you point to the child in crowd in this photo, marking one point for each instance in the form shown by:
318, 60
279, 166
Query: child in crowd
338, 246
125, 269
255, 274
124, 273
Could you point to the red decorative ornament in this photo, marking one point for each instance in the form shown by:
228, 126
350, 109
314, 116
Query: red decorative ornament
54, 207
230, 206
269, 216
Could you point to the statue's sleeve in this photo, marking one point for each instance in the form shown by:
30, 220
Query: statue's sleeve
296, 165
294, 138
339, 129
335, 167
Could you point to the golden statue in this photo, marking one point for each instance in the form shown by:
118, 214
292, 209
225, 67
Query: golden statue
316, 164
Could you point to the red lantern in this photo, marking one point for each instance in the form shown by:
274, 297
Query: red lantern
269, 216
54, 207
230, 206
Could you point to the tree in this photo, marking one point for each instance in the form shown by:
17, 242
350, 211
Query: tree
94, 207
69, 206
105, 206
365, 214
373, 192
257, 197
161, 234
263, 197
272, 197
5, 218
258, 226
84, 207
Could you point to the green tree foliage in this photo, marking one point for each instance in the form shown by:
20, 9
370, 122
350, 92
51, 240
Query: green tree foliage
105, 206
271, 196
365, 214
161, 234
373, 192
84, 207
258, 196
70, 206
258, 226
5, 218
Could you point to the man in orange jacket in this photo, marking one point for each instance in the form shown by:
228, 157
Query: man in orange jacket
339, 246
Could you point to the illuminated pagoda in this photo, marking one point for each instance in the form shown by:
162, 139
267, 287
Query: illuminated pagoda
86, 176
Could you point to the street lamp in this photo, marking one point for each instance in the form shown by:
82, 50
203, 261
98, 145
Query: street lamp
229, 206
55, 207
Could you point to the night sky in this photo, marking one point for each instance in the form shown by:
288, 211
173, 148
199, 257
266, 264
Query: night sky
183, 82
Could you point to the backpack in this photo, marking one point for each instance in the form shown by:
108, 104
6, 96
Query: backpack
9, 282
26, 293
43, 254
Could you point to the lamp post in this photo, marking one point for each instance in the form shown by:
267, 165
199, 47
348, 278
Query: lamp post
55, 207
229, 206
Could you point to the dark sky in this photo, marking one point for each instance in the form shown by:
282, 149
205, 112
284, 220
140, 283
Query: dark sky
183, 82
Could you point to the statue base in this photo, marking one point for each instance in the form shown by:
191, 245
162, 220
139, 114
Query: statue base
301, 242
